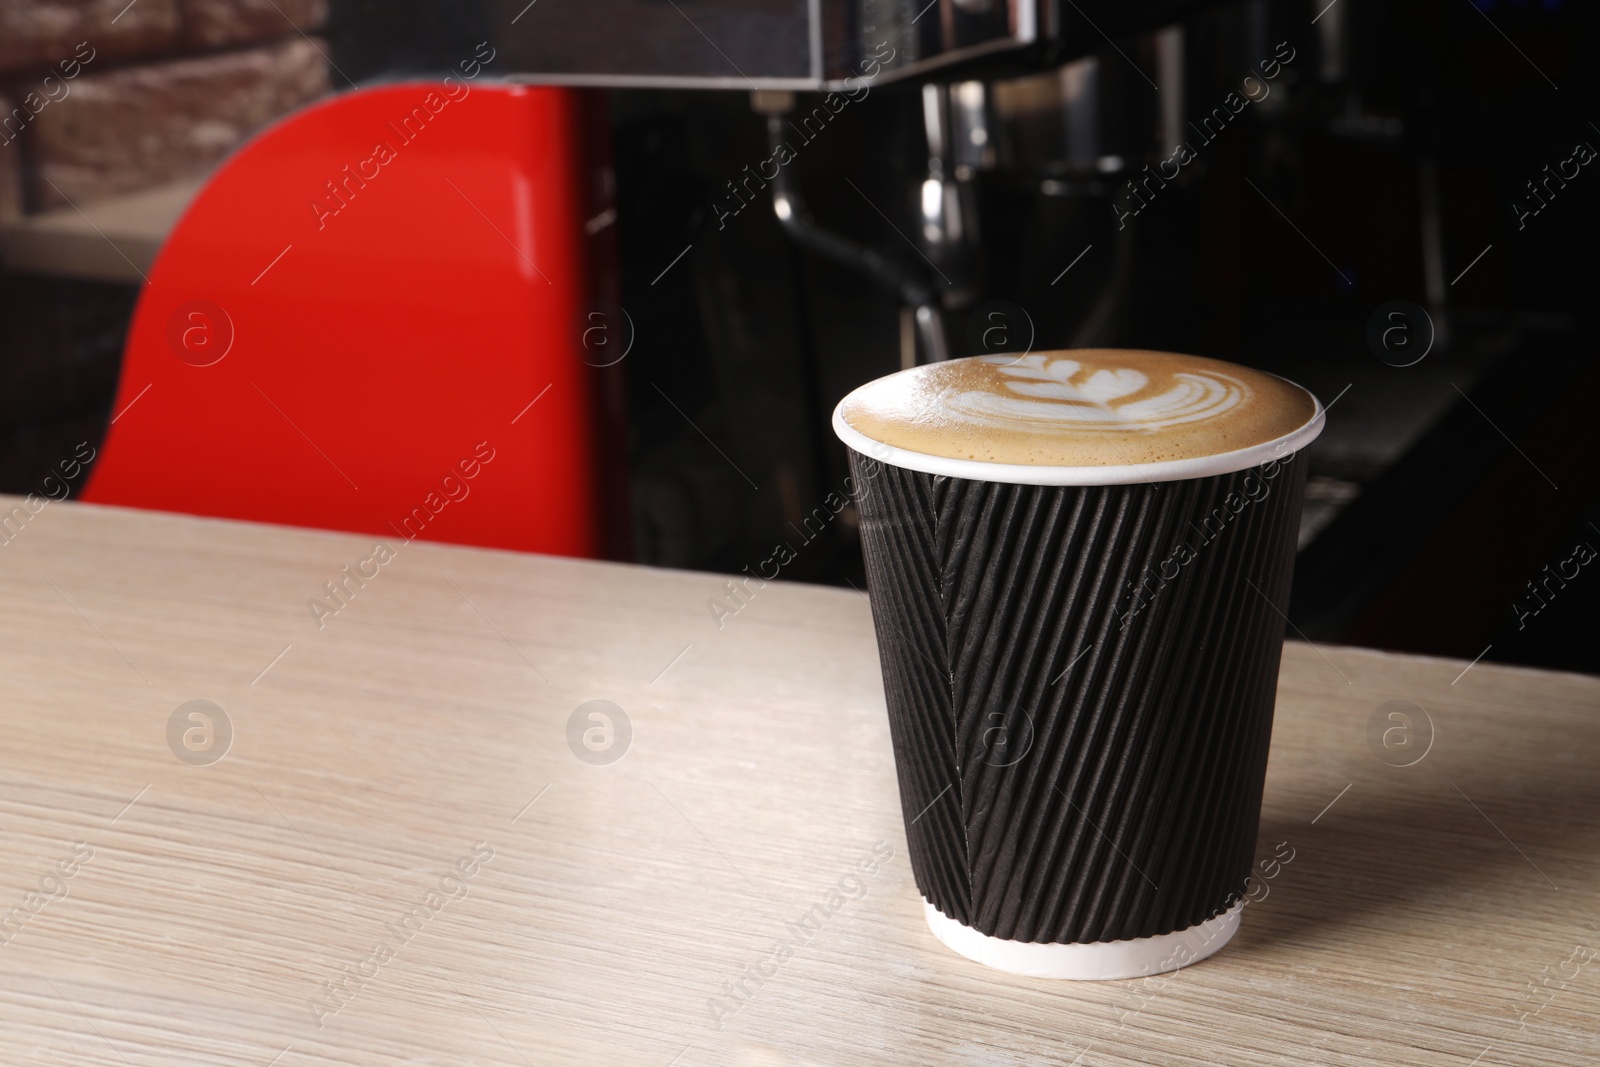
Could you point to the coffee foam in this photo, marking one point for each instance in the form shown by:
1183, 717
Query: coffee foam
1078, 408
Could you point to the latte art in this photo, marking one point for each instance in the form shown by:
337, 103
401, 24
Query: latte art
1041, 391
1078, 408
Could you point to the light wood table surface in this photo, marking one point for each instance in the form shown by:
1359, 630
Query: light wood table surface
1443, 913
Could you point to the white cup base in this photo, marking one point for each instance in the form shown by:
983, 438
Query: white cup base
1089, 962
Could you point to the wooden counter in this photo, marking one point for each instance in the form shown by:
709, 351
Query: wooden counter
401, 858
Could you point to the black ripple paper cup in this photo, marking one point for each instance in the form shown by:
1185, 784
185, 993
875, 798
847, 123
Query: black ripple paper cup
1080, 681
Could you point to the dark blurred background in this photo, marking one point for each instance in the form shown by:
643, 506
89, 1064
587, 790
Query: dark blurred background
1391, 204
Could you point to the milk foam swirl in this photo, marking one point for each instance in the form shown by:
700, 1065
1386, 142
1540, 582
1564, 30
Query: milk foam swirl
1041, 390
1112, 409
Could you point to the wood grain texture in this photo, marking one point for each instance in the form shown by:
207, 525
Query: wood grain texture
424, 717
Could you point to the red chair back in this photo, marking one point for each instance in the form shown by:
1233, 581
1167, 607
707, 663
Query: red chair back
372, 319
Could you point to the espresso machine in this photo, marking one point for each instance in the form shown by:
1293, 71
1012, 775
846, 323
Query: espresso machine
812, 193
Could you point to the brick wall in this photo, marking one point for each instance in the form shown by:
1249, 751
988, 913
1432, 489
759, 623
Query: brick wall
104, 97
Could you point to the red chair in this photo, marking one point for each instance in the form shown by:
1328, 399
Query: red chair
380, 316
